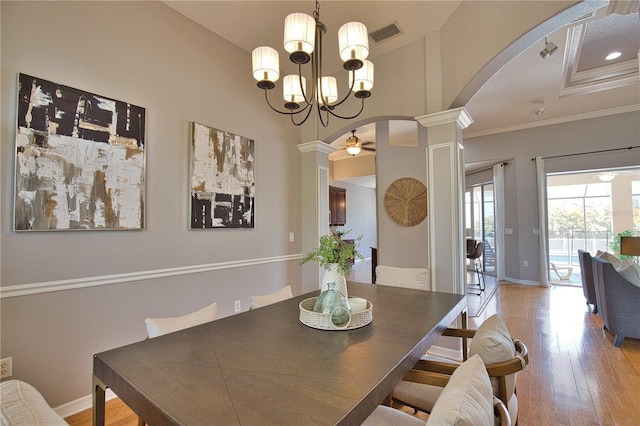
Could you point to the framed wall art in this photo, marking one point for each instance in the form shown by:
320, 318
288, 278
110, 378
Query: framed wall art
222, 179
80, 160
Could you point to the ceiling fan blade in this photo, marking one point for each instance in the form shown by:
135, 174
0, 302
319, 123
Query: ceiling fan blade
367, 143
368, 149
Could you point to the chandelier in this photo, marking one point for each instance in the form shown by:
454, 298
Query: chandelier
303, 40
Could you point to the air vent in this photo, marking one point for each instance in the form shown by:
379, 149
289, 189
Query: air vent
385, 33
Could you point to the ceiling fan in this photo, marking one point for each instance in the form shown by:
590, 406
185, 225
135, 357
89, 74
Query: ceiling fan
354, 145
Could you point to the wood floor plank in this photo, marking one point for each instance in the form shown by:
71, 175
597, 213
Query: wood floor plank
575, 376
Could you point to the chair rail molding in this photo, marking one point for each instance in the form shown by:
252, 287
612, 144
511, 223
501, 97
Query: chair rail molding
77, 283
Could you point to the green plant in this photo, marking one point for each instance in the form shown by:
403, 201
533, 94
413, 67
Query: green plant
615, 244
333, 249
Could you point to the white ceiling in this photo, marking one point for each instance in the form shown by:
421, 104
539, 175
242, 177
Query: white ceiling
574, 82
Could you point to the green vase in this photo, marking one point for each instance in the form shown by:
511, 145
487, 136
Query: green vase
334, 303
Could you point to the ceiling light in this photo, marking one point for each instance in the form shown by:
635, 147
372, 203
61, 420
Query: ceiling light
353, 150
303, 40
549, 48
607, 176
353, 144
613, 55
541, 109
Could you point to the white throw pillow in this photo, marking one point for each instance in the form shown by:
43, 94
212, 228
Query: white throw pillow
417, 278
630, 271
604, 255
267, 299
467, 399
493, 343
22, 404
160, 326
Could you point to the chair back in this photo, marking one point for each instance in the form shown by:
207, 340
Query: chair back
159, 326
471, 245
477, 252
417, 278
277, 296
586, 275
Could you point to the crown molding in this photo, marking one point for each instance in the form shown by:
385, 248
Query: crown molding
458, 115
552, 121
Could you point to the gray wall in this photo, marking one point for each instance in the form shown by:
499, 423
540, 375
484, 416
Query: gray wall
615, 131
401, 246
146, 54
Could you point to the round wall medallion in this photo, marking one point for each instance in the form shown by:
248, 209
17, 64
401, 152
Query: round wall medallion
406, 201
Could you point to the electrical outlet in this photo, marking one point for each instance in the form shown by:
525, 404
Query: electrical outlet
5, 367
238, 306
525, 263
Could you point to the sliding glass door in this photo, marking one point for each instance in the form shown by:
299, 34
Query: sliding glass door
586, 210
480, 221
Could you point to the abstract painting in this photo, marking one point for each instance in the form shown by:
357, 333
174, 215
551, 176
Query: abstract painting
80, 160
222, 179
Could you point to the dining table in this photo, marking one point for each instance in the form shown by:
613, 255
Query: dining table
265, 367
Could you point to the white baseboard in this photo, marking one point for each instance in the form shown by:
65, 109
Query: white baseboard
517, 281
80, 404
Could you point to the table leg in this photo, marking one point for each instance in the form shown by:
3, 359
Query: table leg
99, 390
464, 340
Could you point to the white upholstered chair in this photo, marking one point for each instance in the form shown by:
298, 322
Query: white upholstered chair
159, 326
277, 296
417, 278
22, 404
503, 357
465, 398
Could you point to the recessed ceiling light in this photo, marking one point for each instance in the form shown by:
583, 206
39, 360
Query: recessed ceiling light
613, 55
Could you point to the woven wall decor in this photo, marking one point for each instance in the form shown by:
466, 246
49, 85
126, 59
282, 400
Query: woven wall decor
406, 201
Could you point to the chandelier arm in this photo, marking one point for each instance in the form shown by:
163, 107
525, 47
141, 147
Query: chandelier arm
266, 97
309, 108
304, 95
318, 68
324, 124
349, 117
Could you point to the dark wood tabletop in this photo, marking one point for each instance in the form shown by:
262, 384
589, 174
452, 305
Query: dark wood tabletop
265, 367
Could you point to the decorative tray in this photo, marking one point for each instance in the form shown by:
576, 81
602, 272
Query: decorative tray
323, 322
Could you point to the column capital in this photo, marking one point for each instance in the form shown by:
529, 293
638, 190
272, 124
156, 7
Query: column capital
459, 115
316, 146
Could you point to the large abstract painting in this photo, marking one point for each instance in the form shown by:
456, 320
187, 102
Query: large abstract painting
80, 160
222, 179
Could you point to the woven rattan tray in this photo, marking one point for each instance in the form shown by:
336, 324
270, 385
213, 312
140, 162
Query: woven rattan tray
323, 322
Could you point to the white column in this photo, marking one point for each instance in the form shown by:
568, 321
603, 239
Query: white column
446, 198
315, 205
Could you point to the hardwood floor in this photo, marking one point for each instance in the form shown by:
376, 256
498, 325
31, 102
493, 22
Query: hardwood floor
575, 376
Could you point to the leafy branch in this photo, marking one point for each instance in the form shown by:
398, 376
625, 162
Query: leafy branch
333, 249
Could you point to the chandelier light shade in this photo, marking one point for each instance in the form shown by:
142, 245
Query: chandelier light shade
363, 78
328, 92
303, 41
266, 66
353, 44
291, 89
299, 34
